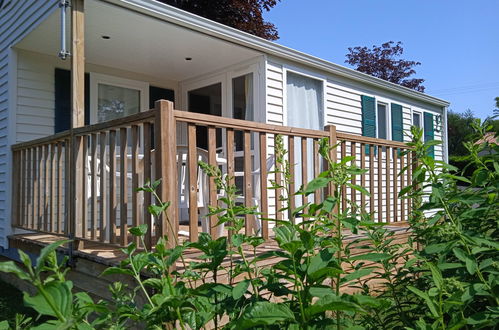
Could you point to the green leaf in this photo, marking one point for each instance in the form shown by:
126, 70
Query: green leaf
436, 275
139, 231
11, 267
264, 313
315, 184
4, 325
44, 253
331, 303
359, 273
320, 291
359, 188
58, 295
117, 270
427, 299
471, 265
240, 289
373, 256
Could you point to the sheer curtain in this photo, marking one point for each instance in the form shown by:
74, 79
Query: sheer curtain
304, 110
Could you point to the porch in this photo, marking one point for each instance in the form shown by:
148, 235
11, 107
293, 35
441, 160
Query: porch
82, 183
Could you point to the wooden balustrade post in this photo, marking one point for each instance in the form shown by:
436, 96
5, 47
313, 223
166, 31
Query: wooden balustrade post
166, 153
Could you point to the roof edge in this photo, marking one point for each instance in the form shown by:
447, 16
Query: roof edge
203, 25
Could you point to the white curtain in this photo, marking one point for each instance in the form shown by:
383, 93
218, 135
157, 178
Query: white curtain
304, 110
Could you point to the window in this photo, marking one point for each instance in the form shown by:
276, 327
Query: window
382, 121
416, 119
113, 97
304, 102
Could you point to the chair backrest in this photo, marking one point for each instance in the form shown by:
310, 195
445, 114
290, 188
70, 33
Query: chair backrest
183, 177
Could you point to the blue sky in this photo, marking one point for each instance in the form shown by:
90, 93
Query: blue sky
457, 42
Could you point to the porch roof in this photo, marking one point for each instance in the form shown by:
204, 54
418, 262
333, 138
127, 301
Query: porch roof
145, 43
128, 40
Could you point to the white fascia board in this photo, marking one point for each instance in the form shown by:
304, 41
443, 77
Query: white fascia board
200, 24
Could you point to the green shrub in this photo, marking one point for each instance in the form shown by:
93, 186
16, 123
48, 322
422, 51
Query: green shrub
444, 277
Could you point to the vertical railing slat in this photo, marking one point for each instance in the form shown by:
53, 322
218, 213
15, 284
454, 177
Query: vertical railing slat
93, 186
371, 179
147, 176
402, 186
112, 186
317, 170
60, 185
46, 186
263, 202
380, 184
248, 183
388, 183
229, 135
395, 184
53, 183
353, 192
212, 160
192, 159
343, 146
103, 170
363, 175
123, 186
135, 179
84, 187
304, 168
292, 170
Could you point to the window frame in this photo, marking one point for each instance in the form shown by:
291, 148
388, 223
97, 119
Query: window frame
99, 78
388, 118
310, 75
421, 121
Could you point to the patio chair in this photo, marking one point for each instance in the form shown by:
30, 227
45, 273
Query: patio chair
257, 193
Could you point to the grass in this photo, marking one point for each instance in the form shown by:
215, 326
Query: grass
11, 302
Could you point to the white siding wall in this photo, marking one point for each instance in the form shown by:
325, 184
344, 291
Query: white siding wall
342, 101
17, 17
35, 91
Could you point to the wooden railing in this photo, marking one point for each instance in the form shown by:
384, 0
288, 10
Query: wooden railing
83, 183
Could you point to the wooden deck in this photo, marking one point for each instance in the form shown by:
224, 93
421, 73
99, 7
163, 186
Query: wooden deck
108, 255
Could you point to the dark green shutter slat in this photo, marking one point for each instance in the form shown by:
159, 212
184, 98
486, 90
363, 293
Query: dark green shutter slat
87, 99
368, 118
62, 106
158, 93
397, 125
62, 95
429, 133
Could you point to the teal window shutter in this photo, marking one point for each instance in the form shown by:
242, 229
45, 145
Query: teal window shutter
397, 126
368, 118
429, 133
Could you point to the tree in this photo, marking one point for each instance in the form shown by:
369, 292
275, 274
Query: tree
459, 131
245, 15
381, 62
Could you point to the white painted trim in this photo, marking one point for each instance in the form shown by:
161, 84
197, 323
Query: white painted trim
421, 121
97, 78
182, 18
11, 136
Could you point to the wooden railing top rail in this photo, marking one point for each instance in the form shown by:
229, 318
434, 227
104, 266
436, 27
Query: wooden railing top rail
108, 125
370, 140
244, 125
116, 123
41, 141
208, 120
